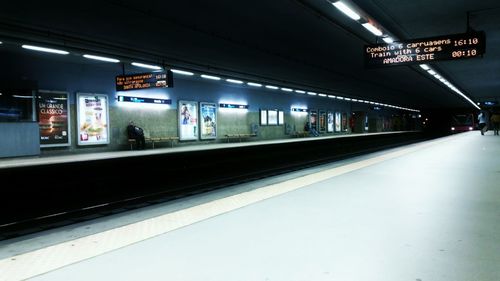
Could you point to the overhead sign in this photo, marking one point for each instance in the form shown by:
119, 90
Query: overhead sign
426, 50
144, 100
142, 81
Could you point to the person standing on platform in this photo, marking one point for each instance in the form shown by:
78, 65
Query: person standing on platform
135, 132
483, 119
495, 121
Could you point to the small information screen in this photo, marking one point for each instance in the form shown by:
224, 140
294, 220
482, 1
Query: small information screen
426, 50
142, 81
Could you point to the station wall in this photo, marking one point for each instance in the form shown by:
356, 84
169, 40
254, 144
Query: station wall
55, 73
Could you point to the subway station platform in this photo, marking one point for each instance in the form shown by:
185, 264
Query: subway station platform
81, 157
425, 211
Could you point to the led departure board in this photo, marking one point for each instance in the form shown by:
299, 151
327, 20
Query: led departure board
142, 81
426, 50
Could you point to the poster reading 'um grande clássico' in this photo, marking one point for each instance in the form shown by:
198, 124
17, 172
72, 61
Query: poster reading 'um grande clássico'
52, 111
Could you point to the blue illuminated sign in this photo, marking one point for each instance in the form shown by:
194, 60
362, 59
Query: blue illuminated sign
229, 105
143, 100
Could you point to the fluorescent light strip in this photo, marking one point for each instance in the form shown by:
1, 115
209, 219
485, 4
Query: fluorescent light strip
300, 91
143, 65
331, 96
99, 58
312, 93
388, 40
372, 29
46, 50
346, 10
425, 67
254, 84
340, 98
348, 99
182, 72
234, 81
210, 77
287, 89
272, 87
447, 83
322, 95
23, 97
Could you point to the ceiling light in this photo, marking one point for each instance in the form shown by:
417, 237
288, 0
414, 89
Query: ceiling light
234, 81
23, 97
347, 99
312, 93
271, 87
346, 10
92, 57
182, 72
254, 84
322, 95
300, 91
149, 66
425, 67
388, 40
210, 77
331, 96
287, 89
47, 50
340, 98
372, 29
432, 72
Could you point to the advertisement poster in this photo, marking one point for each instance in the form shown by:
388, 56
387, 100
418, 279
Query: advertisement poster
92, 111
263, 117
330, 118
322, 121
337, 122
208, 114
53, 118
344, 122
313, 119
272, 117
188, 120
281, 117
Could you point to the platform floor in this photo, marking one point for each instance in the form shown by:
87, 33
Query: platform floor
428, 211
77, 157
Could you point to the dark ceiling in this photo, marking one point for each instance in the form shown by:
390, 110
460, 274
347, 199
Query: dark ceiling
299, 43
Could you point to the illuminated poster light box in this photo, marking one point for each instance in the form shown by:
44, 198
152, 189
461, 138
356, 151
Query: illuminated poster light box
426, 50
143, 100
295, 109
231, 105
